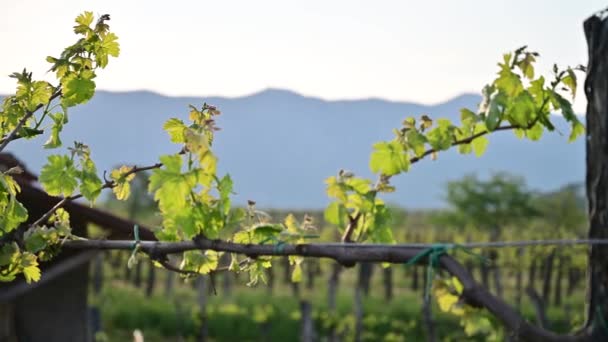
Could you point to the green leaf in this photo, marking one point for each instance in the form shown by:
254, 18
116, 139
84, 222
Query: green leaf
336, 189
536, 132
508, 82
416, 142
493, 114
201, 263
359, 185
537, 90
40, 95
90, 184
296, 274
35, 242
224, 187
54, 141
14, 213
122, 190
58, 176
464, 148
522, 110
336, 214
31, 272
85, 18
77, 89
467, 115
570, 81
566, 107
475, 324
110, 44
9, 254
389, 158
170, 186
578, 129
380, 228
175, 128
479, 144
526, 65
441, 137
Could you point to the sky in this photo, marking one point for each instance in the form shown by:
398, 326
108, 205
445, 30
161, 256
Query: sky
419, 51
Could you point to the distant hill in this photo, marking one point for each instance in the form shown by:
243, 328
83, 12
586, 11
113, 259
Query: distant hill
279, 146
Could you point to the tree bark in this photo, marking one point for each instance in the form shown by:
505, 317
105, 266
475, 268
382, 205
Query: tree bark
596, 90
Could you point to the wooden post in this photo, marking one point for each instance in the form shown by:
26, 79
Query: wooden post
366, 270
557, 288
307, 333
201, 284
332, 290
547, 276
151, 280
519, 280
596, 90
358, 304
169, 283
388, 283
427, 319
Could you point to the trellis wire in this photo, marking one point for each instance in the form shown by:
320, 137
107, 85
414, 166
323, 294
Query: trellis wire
475, 245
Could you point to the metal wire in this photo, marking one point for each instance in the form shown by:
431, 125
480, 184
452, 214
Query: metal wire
475, 245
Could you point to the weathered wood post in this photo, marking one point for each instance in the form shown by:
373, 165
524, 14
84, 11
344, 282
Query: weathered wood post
596, 90
307, 332
332, 292
201, 284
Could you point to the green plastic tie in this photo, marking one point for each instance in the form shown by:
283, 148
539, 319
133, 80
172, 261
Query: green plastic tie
279, 247
136, 236
136, 244
433, 254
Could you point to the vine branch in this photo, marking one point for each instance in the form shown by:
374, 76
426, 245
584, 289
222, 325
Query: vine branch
473, 293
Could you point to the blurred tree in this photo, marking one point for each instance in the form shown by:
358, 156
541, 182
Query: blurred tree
491, 205
564, 209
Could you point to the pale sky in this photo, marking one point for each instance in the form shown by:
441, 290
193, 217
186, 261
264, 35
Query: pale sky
422, 51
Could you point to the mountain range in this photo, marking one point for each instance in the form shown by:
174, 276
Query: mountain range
279, 146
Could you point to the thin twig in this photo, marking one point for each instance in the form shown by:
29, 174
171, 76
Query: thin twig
350, 228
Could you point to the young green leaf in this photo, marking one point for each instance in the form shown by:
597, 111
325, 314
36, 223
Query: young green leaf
59, 176
389, 158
